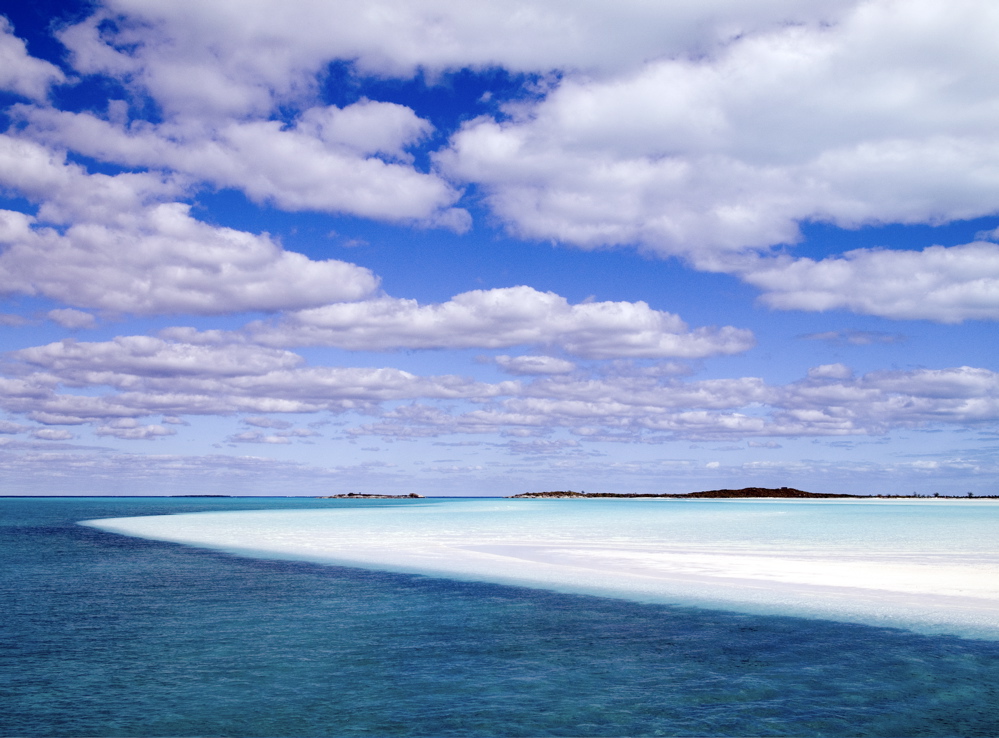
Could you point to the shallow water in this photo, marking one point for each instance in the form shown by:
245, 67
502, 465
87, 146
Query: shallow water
104, 634
929, 566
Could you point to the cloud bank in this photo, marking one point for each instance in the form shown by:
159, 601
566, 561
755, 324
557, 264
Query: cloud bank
501, 318
137, 377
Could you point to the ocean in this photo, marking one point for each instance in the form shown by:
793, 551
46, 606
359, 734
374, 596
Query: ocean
306, 617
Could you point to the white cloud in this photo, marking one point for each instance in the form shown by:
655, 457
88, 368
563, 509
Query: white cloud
501, 318
367, 127
705, 130
350, 160
235, 60
52, 434
113, 384
886, 115
21, 73
829, 402
256, 437
123, 251
143, 356
219, 75
526, 365
129, 429
141, 376
945, 284
72, 319
282, 437
830, 371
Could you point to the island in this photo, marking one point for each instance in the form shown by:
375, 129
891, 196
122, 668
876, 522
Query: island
199, 495
356, 496
745, 492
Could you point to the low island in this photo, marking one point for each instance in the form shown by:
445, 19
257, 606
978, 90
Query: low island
356, 496
746, 492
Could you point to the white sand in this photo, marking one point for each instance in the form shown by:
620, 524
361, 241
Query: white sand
936, 583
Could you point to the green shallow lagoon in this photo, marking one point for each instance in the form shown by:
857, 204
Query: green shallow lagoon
109, 635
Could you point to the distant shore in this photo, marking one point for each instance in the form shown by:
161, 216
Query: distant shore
358, 496
744, 493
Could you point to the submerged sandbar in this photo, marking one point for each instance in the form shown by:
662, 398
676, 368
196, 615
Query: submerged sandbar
926, 566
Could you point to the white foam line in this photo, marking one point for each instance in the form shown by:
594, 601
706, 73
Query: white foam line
934, 588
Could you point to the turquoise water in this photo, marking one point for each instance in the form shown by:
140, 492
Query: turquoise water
104, 634
926, 565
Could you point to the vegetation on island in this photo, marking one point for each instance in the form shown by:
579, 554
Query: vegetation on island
357, 496
746, 492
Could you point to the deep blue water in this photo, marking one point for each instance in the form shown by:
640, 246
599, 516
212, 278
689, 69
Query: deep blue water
104, 635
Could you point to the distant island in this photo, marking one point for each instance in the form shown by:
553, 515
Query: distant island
746, 492
356, 496
199, 495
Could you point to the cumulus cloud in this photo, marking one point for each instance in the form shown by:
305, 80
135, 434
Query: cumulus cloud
830, 371
883, 115
113, 384
144, 356
945, 284
140, 376
217, 60
501, 318
706, 130
219, 76
351, 160
21, 73
104, 242
830, 401
72, 319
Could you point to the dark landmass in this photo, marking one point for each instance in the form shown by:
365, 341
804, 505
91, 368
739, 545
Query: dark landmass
199, 495
782, 492
746, 492
355, 496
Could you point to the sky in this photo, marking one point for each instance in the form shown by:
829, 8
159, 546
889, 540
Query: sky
485, 248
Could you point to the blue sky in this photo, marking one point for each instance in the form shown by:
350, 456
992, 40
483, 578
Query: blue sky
489, 248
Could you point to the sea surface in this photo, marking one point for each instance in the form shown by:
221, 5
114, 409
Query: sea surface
301, 617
